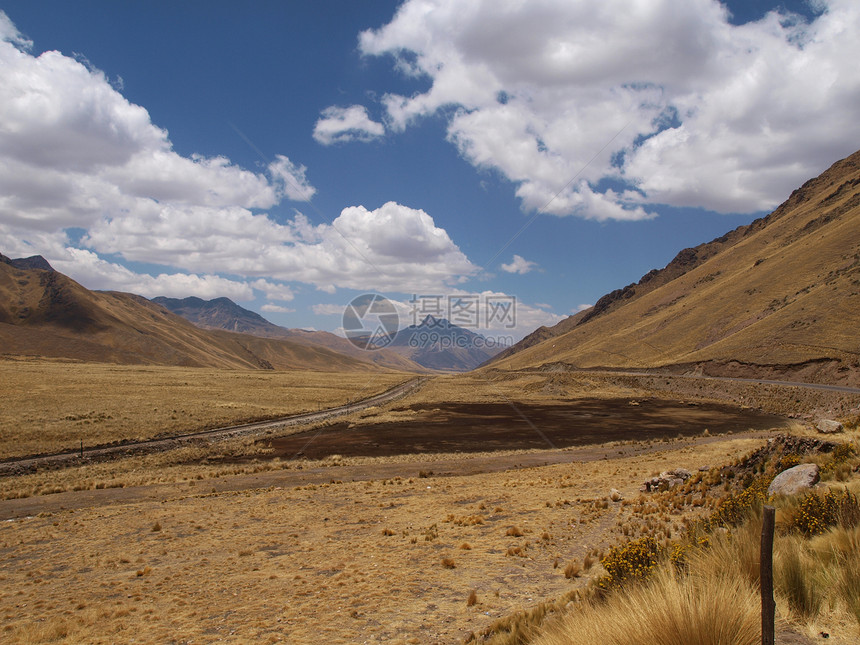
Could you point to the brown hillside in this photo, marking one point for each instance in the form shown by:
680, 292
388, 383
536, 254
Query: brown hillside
780, 295
224, 314
385, 357
44, 313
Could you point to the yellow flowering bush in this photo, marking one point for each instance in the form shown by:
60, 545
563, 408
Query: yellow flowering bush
816, 513
635, 560
734, 508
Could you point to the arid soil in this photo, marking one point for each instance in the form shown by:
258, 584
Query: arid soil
381, 561
376, 545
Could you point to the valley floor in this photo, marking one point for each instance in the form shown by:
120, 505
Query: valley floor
411, 548
381, 560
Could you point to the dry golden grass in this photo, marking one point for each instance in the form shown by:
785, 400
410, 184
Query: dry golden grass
334, 561
310, 563
708, 594
670, 610
492, 386
50, 406
787, 292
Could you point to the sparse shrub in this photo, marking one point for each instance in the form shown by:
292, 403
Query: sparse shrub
849, 511
431, 533
472, 600
787, 461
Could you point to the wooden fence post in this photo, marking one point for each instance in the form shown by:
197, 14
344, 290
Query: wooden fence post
768, 606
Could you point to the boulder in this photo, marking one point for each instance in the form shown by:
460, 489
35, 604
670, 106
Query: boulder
794, 480
828, 426
666, 480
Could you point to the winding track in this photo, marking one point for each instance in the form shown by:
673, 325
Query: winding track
19, 465
806, 386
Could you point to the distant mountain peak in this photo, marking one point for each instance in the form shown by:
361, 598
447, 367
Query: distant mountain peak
432, 321
32, 262
218, 313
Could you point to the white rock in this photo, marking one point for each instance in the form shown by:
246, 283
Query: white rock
794, 480
828, 426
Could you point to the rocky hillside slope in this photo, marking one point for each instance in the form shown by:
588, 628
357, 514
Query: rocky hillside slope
778, 297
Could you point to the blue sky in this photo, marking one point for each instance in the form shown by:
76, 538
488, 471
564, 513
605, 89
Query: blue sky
292, 156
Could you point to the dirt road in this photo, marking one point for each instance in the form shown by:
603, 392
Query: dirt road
440, 466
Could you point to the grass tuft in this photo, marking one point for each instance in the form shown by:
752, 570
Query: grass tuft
572, 570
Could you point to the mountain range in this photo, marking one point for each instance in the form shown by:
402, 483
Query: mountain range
434, 344
778, 297
44, 313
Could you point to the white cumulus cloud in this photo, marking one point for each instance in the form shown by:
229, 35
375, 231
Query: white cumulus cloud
519, 265
667, 97
76, 155
86, 267
277, 309
342, 124
295, 184
393, 248
73, 149
328, 309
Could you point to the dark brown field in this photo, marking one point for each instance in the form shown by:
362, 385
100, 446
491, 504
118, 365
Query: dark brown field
481, 427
